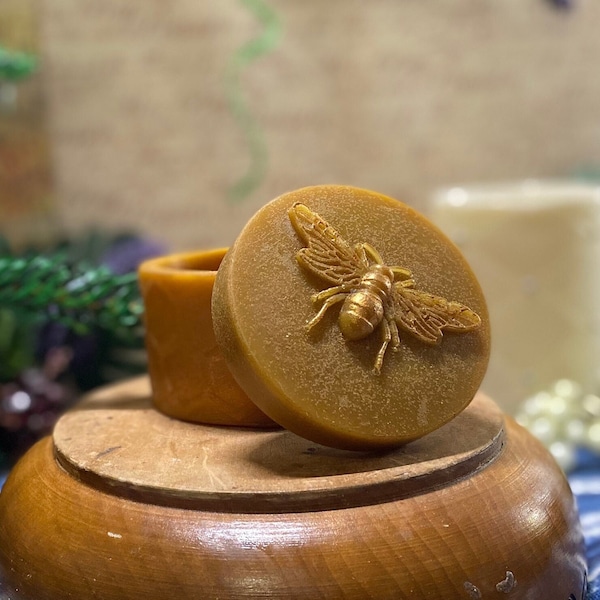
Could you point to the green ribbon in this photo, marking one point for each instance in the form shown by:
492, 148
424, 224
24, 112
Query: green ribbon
255, 140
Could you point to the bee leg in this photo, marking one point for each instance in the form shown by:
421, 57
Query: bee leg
324, 294
407, 283
387, 337
402, 275
329, 302
362, 255
394, 333
371, 252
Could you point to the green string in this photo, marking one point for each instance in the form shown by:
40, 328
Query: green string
16, 65
255, 140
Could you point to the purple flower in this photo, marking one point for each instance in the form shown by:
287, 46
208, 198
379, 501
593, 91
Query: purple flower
125, 255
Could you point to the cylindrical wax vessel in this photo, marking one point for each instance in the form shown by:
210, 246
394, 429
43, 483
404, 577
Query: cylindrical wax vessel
535, 248
189, 376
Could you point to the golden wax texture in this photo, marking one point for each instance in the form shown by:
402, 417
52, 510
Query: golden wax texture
318, 384
189, 376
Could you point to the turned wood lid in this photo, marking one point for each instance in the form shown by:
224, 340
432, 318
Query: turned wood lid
116, 442
322, 379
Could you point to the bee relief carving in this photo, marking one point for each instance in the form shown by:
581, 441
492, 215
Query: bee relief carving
374, 296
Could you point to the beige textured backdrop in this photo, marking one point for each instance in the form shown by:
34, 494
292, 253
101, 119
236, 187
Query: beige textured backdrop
401, 96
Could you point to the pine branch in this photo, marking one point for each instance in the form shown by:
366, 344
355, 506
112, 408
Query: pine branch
78, 297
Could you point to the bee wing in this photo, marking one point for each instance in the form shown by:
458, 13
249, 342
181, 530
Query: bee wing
327, 254
425, 316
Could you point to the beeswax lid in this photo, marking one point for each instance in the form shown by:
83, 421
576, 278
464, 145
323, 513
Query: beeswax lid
350, 319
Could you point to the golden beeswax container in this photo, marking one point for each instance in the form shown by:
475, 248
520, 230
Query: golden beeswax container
190, 379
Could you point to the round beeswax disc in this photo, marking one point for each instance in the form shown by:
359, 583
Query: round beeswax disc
295, 298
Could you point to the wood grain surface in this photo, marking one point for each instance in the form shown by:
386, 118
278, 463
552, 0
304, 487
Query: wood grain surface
245, 470
509, 529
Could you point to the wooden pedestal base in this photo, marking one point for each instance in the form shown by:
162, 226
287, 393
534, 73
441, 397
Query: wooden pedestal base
124, 503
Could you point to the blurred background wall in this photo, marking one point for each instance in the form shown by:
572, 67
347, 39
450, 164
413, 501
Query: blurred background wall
177, 120
156, 110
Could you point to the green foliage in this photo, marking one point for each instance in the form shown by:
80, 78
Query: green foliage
16, 65
81, 298
16, 344
66, 285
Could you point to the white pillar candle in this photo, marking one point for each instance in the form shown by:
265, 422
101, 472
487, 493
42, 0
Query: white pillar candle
535, 248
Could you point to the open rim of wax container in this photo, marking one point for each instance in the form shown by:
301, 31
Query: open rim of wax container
525, 194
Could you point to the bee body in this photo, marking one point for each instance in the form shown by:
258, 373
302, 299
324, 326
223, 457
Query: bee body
363, 309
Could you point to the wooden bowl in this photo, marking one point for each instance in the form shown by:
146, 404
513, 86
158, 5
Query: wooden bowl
190, 379
123, 503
